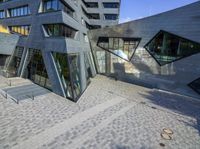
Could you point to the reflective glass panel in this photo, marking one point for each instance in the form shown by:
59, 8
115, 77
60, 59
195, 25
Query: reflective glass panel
166, 47
122, 47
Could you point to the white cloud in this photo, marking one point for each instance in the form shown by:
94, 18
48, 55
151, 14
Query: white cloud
123, 20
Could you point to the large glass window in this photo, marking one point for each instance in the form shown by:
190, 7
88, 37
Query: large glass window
19, 11
88, 70
166, 47
195, 85
95, 16
75, 74
23, 30
14, 64
61, 60
69, 69
90, 27
111, 16
122, 47
50, 5
36, 70
90, 4
60, 30
2, 14
110, 5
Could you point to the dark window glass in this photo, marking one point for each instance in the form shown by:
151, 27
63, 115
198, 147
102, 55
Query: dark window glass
2, 14
36, 70
19, 11
23, 30
111, 16
111, 5
122, 47
69, 70
166, 47
88, 26
60, 30
195, 85
90, 4
50, 5
69, 10
88, 70
91, 15
14, 64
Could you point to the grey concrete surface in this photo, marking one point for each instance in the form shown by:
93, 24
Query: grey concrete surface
110, 114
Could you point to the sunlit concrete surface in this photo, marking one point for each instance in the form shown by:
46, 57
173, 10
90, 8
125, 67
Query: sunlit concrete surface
110, 114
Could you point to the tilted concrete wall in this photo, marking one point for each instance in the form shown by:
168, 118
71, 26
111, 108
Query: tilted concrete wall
184, 22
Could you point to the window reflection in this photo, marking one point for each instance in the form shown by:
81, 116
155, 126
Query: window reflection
166, 47
36, 70
23, 30
60, 30
61, 61
50, 5
69, 71
88, 70
19, 11
14, 64
122, 47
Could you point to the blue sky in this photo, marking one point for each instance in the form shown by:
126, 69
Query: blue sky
136, 9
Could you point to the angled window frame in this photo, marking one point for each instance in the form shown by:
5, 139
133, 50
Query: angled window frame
129, 59
177, 36
192, 87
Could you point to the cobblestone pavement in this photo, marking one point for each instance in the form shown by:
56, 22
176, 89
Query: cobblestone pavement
110, 114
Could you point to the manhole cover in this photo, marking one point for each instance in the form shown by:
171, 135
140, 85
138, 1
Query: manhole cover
166, 136
168, 131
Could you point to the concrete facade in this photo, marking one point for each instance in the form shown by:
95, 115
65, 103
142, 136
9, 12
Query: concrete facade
38, 38
142, 68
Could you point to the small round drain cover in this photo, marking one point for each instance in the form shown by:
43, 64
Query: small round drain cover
166, 136
168, 131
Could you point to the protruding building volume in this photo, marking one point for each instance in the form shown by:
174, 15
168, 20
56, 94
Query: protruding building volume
46, 41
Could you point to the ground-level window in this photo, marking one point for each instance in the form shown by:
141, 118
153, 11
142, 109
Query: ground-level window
36, 70
68, 66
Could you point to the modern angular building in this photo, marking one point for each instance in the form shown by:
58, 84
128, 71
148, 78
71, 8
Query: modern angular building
46, 41
161, 51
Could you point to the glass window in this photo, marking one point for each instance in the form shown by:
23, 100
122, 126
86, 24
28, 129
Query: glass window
23, 30
90, 4
110, 5
50, 5
61, 60
166, 47
19, 11
69, 69
111, 16
122, 47
2, 14
75, 74
36, 70
60, 30
14, 64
